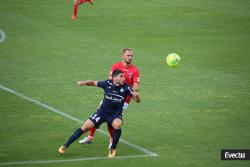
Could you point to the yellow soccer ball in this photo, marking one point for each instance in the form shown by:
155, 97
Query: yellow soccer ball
173, 59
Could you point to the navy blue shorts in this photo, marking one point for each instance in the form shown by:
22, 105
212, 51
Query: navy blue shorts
99, 117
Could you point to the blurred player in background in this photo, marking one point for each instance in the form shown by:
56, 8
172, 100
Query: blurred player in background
131, 74
76, 4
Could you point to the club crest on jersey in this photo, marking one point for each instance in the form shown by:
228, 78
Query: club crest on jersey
121, 90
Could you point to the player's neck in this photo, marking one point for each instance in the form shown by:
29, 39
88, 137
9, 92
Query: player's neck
125, 64
115, 83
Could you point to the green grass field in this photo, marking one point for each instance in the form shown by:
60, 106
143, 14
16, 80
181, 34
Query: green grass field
187, 115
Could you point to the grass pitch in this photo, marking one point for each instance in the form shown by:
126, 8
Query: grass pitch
187, 115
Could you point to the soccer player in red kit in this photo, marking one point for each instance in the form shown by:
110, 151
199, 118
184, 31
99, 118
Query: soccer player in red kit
132, 78
76, 4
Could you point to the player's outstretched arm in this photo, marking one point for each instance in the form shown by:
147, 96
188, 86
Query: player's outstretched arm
136, 97
87, 83
135, 87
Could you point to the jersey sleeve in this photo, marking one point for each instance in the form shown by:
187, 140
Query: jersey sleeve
136, 77
101, 84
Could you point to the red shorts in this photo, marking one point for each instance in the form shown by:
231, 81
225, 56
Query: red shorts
128, 99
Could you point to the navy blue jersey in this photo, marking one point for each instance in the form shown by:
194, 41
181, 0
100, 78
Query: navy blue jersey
114, 96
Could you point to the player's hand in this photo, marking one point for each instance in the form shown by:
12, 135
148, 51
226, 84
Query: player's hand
135, 94
136, 97
80, 83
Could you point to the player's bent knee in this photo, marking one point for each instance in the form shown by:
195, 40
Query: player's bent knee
117, 123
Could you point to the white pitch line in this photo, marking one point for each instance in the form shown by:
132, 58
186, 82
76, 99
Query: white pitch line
145, 151
2, 36
68, 160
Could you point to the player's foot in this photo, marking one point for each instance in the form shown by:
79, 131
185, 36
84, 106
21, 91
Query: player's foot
85, 140
62, 149
91, 2
112, 153
73, 17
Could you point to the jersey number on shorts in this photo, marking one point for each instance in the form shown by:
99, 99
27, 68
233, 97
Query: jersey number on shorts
96, 118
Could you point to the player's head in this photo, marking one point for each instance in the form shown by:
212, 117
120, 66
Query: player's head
127, 55
118, 77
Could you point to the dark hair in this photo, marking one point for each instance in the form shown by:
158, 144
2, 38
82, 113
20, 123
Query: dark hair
126, 49
116, 72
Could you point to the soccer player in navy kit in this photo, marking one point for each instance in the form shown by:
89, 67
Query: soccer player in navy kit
109, 111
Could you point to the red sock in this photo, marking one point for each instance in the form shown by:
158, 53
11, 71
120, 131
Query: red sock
75, 9
91, 133
111, 132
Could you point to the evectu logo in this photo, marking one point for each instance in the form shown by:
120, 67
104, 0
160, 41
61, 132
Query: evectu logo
241, 154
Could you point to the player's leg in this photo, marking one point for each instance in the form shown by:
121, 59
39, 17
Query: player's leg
91, 2
94, 121
78, 132
116, 124
76, 3
111, 132
111, 129
84, 1
89, 138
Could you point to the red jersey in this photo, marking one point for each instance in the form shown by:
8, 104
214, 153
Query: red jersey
131, 74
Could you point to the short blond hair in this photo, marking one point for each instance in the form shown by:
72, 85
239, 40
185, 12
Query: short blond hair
126, 49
